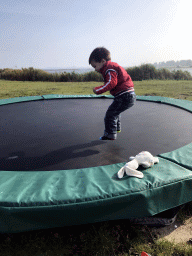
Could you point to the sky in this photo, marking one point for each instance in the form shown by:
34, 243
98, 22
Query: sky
63, 33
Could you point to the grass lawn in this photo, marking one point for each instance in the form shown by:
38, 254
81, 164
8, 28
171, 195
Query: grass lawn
107, 238
169, 88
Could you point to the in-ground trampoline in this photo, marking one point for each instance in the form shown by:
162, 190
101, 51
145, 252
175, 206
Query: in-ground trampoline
56, 172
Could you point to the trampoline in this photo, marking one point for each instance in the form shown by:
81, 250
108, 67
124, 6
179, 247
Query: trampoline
55, 171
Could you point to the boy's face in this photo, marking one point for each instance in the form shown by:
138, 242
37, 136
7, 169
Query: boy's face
97, 65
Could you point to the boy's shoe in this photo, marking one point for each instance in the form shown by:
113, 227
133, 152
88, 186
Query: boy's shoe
107, 136
119, 131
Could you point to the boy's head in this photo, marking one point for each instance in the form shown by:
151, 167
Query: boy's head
98, 57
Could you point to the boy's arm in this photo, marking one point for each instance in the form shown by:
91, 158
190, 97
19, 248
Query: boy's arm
110, 83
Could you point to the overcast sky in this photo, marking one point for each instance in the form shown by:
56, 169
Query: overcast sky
63, 33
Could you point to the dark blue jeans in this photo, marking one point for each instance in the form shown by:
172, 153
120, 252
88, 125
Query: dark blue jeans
113, 118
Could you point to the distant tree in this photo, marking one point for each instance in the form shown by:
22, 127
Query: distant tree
172, 63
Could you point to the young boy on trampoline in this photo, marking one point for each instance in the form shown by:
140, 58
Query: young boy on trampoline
120, 85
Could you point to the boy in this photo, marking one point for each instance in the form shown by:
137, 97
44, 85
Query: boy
120, 85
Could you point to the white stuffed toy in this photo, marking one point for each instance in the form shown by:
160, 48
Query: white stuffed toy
144, 158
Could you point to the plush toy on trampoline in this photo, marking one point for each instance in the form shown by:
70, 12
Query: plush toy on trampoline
120, 85
144, 158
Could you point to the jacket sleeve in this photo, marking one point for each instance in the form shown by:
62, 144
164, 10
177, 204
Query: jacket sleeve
110, 82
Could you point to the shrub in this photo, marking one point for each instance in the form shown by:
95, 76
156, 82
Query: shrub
135, 73
181, 75
92, 76
143, 72
165, 74
26, 74
148, 71
64, 77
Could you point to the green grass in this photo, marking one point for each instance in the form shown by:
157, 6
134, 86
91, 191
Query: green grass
107, 238
166, 88
181, 89
11, 89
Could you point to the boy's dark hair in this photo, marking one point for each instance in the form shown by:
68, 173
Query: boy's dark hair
100, 53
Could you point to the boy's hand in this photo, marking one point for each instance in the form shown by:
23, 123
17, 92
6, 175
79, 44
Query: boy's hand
94, 90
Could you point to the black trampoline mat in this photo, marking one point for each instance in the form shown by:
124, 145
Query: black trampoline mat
64, 134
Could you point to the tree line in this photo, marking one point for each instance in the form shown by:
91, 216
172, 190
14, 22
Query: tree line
172, 63
143, 72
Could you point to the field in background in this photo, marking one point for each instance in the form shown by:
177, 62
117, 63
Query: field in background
181, 89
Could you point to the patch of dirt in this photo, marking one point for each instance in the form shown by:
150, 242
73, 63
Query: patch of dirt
177, 232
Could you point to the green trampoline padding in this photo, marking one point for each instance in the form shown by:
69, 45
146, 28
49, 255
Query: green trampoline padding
31, 200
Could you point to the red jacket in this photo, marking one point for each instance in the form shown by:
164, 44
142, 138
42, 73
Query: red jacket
116, 79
